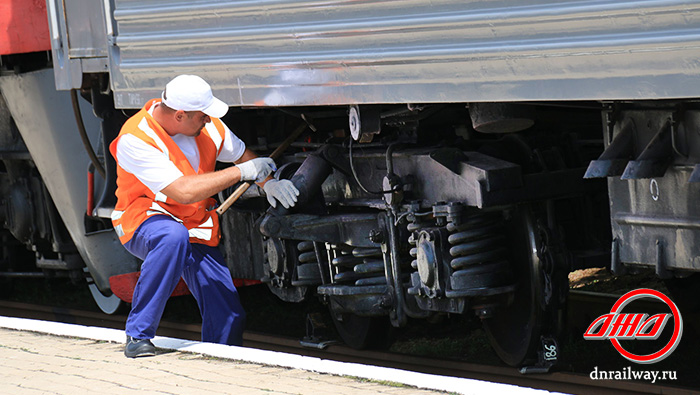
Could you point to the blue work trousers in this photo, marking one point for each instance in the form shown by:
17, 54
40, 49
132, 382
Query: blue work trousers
167, 254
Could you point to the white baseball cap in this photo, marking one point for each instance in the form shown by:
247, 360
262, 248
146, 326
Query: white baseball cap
191, 93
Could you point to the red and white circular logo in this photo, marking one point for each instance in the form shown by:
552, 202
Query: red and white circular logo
617, 326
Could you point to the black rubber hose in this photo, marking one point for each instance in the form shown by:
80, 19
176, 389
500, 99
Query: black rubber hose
83, 134
354, 173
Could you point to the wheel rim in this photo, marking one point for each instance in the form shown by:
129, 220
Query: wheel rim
108, 304
514, 330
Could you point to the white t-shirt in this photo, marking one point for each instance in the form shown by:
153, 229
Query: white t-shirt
153, 167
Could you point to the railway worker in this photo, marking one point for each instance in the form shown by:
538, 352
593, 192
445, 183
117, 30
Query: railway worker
164, 215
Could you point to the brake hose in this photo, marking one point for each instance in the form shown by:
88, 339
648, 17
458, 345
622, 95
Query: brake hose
83, 134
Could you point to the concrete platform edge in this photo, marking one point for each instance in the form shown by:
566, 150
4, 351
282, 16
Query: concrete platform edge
272, 358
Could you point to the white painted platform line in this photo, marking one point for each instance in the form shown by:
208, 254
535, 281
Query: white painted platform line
273, 358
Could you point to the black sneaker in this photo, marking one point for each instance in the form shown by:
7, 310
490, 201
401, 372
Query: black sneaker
139, 348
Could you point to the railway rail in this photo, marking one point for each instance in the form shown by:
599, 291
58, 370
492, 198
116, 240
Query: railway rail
567, 382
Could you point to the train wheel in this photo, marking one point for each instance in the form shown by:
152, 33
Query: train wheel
514, 328
362, 332
108, 304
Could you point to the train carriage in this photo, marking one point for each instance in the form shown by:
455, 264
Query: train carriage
456, 157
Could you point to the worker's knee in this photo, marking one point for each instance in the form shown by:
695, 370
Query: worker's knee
174, 234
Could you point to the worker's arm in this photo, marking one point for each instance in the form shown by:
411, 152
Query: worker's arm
247, 155
194, 188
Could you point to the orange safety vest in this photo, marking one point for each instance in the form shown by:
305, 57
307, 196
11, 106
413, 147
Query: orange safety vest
136, 203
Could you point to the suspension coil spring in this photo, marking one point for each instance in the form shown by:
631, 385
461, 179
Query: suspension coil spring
478, 240
363, 266
372, 267
308, 269
479, 255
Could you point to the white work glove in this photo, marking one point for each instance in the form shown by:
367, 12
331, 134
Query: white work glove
282, 190
256, 169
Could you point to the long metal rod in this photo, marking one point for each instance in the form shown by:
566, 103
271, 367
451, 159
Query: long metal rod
396, 280
244, 186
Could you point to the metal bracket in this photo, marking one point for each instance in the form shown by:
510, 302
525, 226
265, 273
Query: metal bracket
654, 159
613, 160
661, 270
547, 357
617, 267
316, 332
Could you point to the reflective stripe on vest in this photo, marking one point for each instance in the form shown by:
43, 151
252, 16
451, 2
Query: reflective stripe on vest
203, 231
143, 125
116, 214
214, 134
